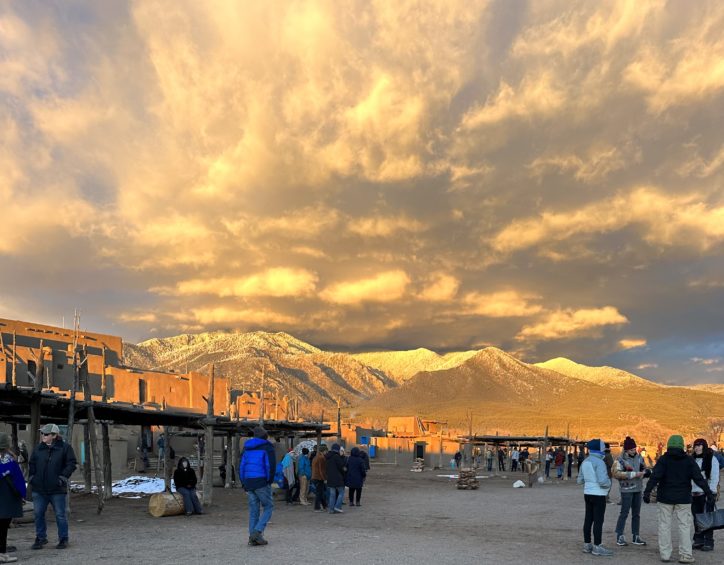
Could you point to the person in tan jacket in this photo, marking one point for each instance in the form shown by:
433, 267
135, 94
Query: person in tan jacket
319, 478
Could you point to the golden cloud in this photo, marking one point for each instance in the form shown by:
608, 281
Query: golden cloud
384, 287
563, 324
279, 282
631, 343
682, 220
503, 304
146, 317
241, 317
442, 288
383, 227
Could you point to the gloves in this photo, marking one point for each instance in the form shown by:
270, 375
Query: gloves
647, 497
647, 473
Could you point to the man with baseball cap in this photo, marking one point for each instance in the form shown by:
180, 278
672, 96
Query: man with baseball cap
51, 465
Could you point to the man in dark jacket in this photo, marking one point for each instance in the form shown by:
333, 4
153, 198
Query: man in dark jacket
51, 465
356, 474
673, 474
256, 472
335, 480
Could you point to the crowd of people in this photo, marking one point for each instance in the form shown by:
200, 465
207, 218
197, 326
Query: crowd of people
322, 473
684, 482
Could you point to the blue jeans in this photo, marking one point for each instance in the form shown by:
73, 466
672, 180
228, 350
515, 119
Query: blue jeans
40, 505
258, 499
335, 496
191, 500
629, 501
559, 471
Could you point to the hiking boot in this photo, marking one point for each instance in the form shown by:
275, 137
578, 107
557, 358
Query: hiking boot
259, 538
621, 540
697, 545
39, 543
601, 551
638, 541
10, 549
587, 547
251, 541
686, 559
5, 558
705, 548
62, 544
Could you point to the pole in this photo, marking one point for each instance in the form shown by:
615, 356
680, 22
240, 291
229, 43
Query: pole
87, 476
14, 372
542, 456
229, 459
208, 480
261, 397
339, 423
235, 457
167, 458
91, 427
5, 359
74, 386
106, 439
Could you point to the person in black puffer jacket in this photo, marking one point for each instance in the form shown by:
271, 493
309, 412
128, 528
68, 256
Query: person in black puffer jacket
356, 474
336, 471
672, 476
51, 465
184, 478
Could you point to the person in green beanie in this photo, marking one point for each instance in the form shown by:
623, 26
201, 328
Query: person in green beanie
673, 474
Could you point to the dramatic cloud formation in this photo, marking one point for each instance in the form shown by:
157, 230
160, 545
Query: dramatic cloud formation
545, 176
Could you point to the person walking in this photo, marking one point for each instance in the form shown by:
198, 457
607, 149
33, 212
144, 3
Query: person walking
184, 477
673, 474
335, 480
560, 459
51, 465
501, 459
596, 483
319, 478
458, 459
12, 493
709, 466
305, 475
514, 457
356, 474
256, 473
630, 469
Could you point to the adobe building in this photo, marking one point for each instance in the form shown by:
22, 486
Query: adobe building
26, 346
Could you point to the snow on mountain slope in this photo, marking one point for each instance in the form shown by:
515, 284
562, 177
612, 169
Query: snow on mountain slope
604, 376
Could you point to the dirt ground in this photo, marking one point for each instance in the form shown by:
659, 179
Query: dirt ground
405, 518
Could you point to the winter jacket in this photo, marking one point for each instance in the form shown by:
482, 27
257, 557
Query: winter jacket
288, 470
594, 476
363, 455
50, 467
304, 467
335, 469
184, 478
319, 468
712, 478
673, 474
560, 458
625, 469
12, 488
257, 464
356, 471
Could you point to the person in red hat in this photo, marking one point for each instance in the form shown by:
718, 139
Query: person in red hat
630, 469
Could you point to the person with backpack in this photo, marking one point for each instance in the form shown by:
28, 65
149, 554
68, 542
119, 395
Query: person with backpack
12, 493
51, 465
256, 473
596, 484
630, 469
672, 477
709, 466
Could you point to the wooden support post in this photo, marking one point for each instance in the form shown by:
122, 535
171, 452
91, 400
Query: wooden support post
229, 460
105, 435
208, 481
13, 371
74, 385
441, 449
87, 475
5, 359
543, 455
167, 458
319, 439
261, 397
14, 443
92, 438
235, 459
35, 402
339, 423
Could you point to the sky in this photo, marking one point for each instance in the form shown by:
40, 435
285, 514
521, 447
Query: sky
545, 177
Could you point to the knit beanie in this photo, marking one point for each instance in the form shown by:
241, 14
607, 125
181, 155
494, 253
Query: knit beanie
335, 447
596, 446
629, 443
701, 441
675, 441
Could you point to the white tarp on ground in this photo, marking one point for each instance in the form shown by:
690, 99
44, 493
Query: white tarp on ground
136, 484
458, 476
518, 484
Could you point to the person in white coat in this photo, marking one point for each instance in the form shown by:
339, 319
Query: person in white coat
709, 466
596, 484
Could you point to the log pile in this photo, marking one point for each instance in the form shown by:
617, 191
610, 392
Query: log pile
418, 465
467, 480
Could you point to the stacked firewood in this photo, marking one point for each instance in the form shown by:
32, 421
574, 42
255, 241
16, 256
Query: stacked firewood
467, 480
418, 465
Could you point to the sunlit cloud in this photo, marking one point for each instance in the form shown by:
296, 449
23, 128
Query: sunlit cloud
276, 282
643, 366
441, 288
503, 304
631, 343
241, 317
384, 287
564, 324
